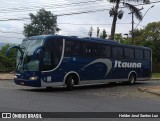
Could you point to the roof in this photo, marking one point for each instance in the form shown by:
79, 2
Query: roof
87, 39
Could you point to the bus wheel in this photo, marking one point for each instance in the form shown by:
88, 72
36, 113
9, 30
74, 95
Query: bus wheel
132, 79
70, 83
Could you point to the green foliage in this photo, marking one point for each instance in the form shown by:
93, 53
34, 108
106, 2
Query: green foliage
127, 41
123, 40
44, 22
119, 38
155, 75
134, 9
150, 37
7, 63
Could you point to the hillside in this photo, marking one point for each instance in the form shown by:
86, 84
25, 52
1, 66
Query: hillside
2, 44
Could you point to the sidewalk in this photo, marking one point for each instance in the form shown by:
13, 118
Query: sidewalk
150, 89
6, 76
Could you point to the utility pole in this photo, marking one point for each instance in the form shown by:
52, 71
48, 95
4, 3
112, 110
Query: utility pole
132, 27
98, 30
133, 24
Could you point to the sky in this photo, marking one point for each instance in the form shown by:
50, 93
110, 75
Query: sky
70, 25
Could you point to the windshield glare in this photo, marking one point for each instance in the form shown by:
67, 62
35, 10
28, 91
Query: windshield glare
26, 61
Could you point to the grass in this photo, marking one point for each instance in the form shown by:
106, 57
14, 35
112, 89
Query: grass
155, 75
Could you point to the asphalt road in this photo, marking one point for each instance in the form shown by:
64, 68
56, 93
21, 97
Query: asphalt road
101, 98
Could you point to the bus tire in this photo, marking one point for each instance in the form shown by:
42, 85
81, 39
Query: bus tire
132, 79
70, 83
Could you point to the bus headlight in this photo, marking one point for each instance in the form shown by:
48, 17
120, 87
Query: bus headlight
33, 78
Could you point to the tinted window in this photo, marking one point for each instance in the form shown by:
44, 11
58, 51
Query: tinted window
104, 51
69, 48
117, 52
147, 54
77, 49
89, 49
129, 53
94, 50
52, 54
138, 54
86, 49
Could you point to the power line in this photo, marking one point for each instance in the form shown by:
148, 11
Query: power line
90, 24
11, 37
60, 5
78, 24
72, 13
50, 6
10, 32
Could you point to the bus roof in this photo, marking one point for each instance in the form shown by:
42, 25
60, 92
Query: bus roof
86, 39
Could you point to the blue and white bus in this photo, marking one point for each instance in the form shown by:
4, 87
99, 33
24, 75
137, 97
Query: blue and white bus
54, 60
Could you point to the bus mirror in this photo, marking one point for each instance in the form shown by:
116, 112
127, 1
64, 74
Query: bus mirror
37, 50
16, 47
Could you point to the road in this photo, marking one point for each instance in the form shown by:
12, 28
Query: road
101, 98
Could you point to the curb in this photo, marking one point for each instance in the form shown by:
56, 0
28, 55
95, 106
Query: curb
155, 78
6, 79
148, 91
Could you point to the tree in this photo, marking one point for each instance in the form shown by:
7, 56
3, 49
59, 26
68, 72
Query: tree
103, 34
44, 22
119, 38
150, 37
90, 31
114, 12
7, 63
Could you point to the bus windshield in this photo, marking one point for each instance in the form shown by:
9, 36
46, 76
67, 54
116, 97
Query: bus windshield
26, 61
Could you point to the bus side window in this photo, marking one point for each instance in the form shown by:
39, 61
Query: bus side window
147, 54
47, 58
138, 54
85, 49
128, 53
47, 61
94, 50
69, 48
117, 52
52, 54
104, 51
77, 49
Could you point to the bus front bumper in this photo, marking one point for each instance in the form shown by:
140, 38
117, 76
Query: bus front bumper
32, 83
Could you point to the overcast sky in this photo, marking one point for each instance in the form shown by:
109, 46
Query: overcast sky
71, 25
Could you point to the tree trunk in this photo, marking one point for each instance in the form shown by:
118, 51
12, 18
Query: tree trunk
114, 20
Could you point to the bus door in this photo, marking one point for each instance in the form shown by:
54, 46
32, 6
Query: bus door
51, 59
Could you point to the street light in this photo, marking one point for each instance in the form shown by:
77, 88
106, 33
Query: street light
144, 15
126, 35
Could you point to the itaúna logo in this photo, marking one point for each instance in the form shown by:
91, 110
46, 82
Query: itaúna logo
120, 64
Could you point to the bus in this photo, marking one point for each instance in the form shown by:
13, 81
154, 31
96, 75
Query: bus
55, 60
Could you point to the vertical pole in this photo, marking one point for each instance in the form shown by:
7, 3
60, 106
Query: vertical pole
132, 28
